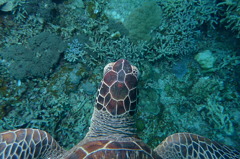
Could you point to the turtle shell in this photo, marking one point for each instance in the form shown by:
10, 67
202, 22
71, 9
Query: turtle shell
104, 149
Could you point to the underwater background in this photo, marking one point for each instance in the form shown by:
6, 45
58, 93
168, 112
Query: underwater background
52, 55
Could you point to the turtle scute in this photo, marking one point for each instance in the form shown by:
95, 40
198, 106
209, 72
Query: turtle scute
104, 149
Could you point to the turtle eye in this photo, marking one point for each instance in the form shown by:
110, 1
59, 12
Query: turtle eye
108, 68
135, 72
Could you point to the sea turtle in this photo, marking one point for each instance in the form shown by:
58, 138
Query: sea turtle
112, 132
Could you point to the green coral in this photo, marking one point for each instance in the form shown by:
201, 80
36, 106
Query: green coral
204, 87
230, 9
143, 20
60, 105
217, 115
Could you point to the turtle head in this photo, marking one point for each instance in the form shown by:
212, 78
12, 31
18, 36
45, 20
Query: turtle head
117, 94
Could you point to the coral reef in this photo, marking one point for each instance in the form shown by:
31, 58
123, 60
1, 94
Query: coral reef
142, 20
74, 52
184, 105
205, 59
115, 49
8, 5
58, 105
58, 81
230, 10
180, 25
36, 59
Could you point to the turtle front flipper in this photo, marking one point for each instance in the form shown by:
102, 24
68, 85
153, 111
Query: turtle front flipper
189, 146
28, 144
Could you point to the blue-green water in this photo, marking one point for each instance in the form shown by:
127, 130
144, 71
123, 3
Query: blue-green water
53, 54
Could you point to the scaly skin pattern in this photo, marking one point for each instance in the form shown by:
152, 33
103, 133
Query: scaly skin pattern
27, 144
192, 146
112, 131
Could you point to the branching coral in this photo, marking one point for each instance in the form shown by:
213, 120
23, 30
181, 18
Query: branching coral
231, 12
75, 52
217, 116
115, 49
180, 25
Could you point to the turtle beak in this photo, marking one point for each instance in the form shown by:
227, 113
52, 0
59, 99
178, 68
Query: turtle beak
108, 68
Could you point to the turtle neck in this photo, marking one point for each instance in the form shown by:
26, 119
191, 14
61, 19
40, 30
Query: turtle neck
105, 126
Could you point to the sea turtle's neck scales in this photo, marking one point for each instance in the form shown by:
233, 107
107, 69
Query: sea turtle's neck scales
103, 126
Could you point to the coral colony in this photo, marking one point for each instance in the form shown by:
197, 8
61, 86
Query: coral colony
52, 54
